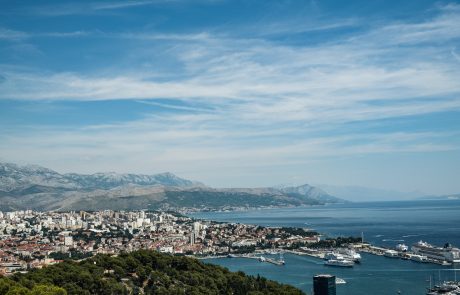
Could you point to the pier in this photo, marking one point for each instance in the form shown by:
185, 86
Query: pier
406, 255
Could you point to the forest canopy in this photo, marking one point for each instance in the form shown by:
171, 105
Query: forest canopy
140, 272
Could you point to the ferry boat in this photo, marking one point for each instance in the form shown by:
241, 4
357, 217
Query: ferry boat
339, 262
347, 254
446, 253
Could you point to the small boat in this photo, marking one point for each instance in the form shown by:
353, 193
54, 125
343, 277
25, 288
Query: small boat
281, 259
339, 281
444, 262
418, 258
391, 254
333, 255
262, 259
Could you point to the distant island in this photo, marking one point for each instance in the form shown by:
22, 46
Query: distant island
445, 197
38, 188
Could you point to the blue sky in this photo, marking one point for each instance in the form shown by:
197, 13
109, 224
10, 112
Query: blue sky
236, 93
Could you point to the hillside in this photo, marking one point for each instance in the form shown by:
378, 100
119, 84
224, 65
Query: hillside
39, 188
140, 272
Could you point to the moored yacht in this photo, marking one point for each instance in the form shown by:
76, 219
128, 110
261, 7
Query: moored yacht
418, 258
402, 248
351, 255
391, 254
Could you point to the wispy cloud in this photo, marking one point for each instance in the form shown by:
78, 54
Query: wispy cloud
125, 4
455, 55
244, 99
93, 7
7, 34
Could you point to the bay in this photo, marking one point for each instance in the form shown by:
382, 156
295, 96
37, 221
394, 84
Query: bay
382, 223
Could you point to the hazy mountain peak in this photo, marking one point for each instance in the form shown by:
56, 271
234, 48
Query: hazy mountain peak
16, 178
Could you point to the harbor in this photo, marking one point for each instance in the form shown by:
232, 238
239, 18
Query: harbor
347, 257
385, 225
370, 274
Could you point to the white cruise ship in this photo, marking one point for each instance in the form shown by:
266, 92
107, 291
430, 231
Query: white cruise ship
348, 254
339, 262
446, 253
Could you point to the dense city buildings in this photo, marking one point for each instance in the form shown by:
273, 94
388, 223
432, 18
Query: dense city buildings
30, 239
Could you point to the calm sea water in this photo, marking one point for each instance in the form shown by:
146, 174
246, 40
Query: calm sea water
383, 223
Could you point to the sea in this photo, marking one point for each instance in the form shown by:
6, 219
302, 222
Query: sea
381, 223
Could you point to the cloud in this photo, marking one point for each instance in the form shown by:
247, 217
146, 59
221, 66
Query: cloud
358, 79
123, 4
13, 35
93, 7
454, 54
234, 99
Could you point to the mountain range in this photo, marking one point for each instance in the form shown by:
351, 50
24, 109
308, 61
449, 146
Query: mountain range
40, 188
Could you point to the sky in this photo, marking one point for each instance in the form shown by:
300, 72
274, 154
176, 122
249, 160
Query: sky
236, 93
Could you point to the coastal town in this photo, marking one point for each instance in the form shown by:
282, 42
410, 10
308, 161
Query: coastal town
31, 239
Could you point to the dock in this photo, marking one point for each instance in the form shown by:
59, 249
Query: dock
406, 255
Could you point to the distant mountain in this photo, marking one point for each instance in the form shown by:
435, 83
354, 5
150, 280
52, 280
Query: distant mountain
17, 178
367, 194
35, 187
311, 192
112, 180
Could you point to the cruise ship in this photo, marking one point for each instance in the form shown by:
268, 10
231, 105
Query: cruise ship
339, 262
348, 254
446, 253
